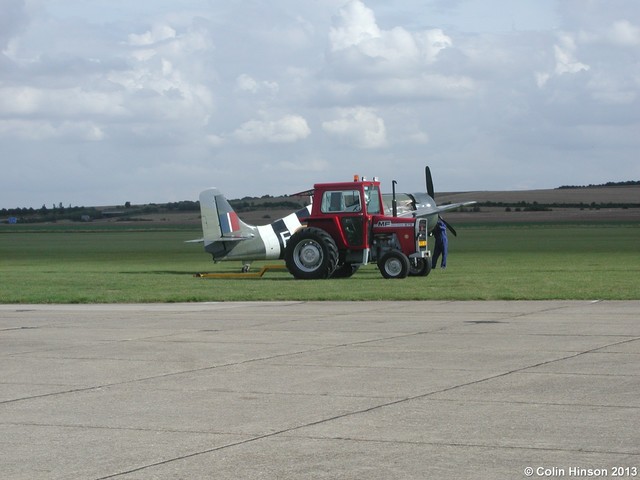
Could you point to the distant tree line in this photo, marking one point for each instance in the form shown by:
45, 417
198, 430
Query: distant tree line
83, 214
540, 207
629, 183
183, 206
250, 204
53, 214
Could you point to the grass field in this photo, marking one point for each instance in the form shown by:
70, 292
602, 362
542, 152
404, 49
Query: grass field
68, 264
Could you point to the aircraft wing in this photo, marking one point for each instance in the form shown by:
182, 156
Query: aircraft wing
423, 211
453, 206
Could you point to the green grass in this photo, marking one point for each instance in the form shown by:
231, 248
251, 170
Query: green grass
61, 264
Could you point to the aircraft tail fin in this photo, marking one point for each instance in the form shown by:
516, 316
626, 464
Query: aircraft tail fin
219, 221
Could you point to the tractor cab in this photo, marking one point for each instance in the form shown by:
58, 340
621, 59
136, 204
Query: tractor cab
345, 211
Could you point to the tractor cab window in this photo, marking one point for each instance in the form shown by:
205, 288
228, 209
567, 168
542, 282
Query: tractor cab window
341, 201
372, 199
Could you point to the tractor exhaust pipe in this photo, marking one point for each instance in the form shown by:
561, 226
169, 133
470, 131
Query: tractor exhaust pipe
394, 202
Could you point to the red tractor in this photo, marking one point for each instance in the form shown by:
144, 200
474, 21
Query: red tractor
348, 228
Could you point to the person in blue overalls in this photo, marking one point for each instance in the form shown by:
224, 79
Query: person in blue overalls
442, 244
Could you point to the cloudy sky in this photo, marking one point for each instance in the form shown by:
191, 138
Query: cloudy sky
108, 101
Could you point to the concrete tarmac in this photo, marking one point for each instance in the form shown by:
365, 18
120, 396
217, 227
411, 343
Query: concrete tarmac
321, 390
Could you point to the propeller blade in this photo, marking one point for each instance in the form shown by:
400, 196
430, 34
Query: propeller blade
429, 180
451, 229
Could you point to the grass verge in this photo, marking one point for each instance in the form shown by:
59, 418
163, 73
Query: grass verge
66, 265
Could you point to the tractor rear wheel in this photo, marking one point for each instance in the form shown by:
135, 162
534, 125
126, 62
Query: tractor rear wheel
394, 264
311, 254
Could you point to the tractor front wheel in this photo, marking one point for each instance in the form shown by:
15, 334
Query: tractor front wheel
311, 254
421, 268
394, 264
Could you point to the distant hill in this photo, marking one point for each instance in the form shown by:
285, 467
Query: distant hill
628, 196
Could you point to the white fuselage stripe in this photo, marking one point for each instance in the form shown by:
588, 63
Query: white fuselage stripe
271, 243
292, 223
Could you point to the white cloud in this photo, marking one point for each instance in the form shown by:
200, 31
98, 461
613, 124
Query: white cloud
542, 78
419, 138
41, 130
246, 83
174, 96
158, 33
426, 86
368, 62
58, 103
355, 25
432, 42
313, 165
609, 89
214, 140
618, 33
288, 129
624, 33
356, 37
359, 126
565, 56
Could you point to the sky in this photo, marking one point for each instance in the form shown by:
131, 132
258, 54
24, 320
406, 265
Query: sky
104, 102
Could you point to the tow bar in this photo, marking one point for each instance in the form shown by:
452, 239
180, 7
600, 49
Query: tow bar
257, 274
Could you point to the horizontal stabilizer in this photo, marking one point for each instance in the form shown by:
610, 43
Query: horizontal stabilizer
235, 238
224, 238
